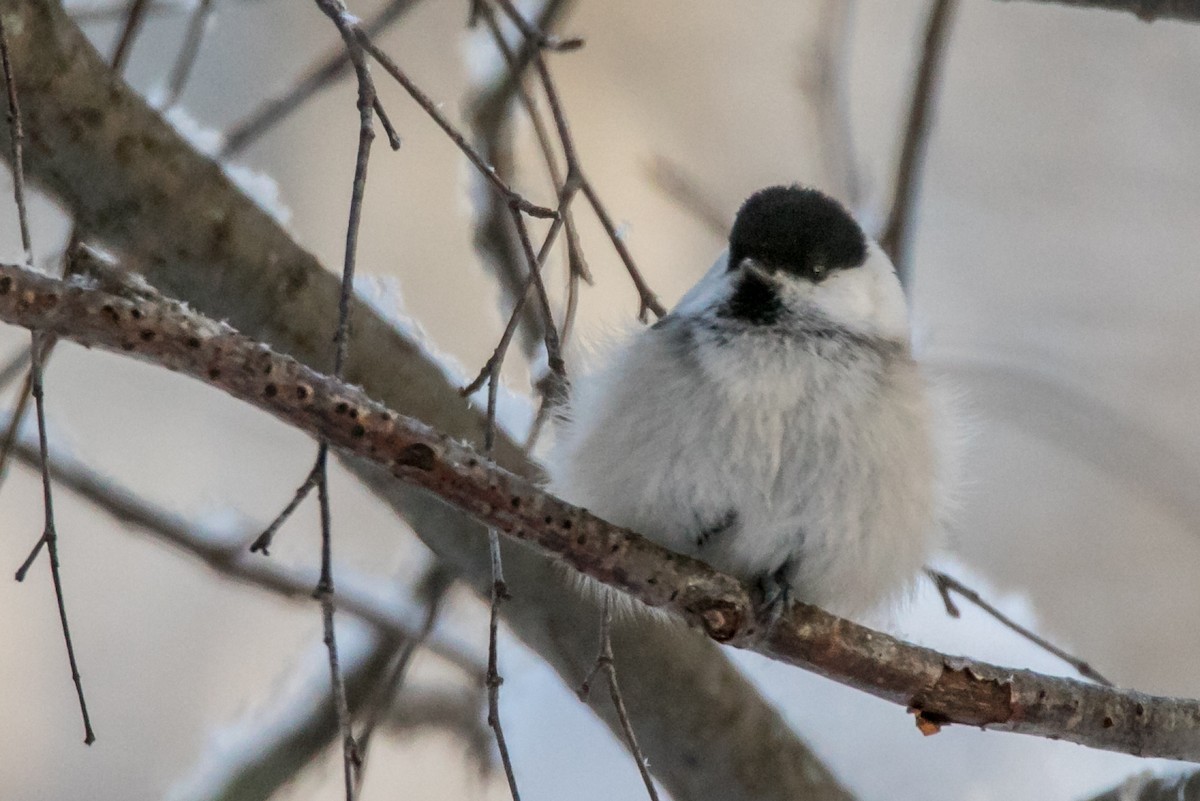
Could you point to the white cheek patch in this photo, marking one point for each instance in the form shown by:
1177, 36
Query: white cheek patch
867, 299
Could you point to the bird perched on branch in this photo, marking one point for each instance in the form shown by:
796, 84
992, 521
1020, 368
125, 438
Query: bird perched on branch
774, 424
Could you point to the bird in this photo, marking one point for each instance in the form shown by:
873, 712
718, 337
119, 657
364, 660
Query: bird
774, 423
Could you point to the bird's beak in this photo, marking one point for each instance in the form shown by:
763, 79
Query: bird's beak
757, 269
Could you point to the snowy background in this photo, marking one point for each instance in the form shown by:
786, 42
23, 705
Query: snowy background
1056, 287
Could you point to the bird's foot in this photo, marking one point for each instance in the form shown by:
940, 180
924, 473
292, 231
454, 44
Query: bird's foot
775, 591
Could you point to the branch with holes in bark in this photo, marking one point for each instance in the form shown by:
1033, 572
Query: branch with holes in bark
937, 688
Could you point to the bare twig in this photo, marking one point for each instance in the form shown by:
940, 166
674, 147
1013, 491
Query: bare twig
197, 25
135, 15
535, 35
430, 108
49, 537
648, 301
499, 590
17, 160
606, 664
368, 103
491, 369
262, 544
388, 129
897, 234
499, 594
325, 595
493, 679
17, 144
335, 64
940, 689
947, 584
491, 119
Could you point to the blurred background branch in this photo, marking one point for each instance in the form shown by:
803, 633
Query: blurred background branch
1148, 787
1148, 10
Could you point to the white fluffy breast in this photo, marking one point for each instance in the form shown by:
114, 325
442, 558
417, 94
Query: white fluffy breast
816, 451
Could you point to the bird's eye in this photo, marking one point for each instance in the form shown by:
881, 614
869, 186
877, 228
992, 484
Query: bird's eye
819, 271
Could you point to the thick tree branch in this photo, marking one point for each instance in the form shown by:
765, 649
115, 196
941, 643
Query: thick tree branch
939, 689
132, 182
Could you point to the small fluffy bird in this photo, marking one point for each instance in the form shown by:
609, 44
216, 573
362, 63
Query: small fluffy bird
774, 424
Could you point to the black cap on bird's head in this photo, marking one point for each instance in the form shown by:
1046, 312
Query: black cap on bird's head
796, 230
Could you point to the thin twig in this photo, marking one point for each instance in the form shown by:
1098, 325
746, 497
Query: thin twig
17, 136
491, 116
367, 104
648, 301
605, 664
430, 108
49, 537
492, 120
197, 26
263, 543
499, 594
389, 130
535, 35
135, 15
336, 64
553, 354
947, 584
495, 362
325, 596
897, 234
